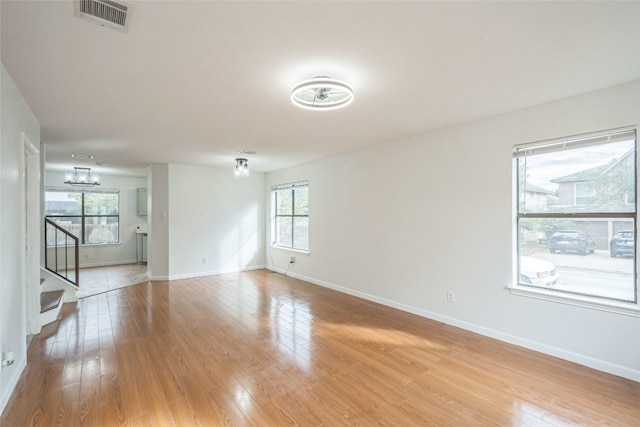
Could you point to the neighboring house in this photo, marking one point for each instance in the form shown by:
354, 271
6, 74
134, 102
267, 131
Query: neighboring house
600, 189
599, 186
539, 199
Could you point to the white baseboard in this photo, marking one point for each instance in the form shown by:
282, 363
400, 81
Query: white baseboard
205, 273
8, 386
600, 365
107, 264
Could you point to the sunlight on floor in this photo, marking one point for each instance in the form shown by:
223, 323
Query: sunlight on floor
391, 337
97, 280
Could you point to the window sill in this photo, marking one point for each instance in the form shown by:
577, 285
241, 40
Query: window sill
297, 251
627, 309
90, 245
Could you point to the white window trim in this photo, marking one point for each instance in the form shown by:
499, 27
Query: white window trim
627, 200
93, 190
611, 306
119, 243
288, 249
274, 245
596, 303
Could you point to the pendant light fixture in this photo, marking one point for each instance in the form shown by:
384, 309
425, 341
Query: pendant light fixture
322, 93
81, 177
242, 168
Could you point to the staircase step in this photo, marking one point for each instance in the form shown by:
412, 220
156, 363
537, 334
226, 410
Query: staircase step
50, 300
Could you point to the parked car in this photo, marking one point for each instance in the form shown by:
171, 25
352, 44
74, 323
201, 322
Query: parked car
623, 243
537, 272
571, 241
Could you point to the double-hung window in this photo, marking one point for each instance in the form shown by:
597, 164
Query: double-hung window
91, 215
290, 215
576, 216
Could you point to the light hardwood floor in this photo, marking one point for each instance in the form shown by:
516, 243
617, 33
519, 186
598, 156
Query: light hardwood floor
261, 349
96, 280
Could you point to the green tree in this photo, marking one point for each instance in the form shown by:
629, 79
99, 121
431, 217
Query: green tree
547, 226
615, 187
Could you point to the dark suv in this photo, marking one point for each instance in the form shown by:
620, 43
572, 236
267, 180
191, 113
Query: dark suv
571, 241
623, 243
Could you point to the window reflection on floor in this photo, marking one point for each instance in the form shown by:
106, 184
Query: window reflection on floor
96, 280
291, 322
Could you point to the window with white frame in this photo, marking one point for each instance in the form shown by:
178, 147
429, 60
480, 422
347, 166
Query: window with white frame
91, 215
290, 210
582, 240
584, 193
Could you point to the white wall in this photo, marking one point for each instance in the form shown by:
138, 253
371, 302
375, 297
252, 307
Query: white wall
125, 251
16, 119
212, 215
403, 222
158, 221
201, 213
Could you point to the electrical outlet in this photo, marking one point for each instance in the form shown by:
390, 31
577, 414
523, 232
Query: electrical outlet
8, 358
292, 260
205, 260
451, 296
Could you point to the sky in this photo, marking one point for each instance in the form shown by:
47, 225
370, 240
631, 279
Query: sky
542, 168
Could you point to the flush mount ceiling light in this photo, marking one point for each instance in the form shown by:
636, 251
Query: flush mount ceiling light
242, 168
322, 93
81, 177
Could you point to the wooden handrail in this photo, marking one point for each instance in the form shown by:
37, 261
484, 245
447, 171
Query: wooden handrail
75, 281
48, 221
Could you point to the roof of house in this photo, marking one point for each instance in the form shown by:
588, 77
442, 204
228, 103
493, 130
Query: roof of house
535, 189
592, 173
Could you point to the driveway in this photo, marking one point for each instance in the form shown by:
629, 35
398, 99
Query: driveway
595, 274
600, 261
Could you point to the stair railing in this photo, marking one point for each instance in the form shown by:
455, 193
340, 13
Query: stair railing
61, 252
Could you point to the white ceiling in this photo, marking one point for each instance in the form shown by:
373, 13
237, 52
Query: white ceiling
195, 82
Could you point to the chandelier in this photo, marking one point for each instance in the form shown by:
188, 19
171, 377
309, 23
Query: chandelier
242, 168
81, 177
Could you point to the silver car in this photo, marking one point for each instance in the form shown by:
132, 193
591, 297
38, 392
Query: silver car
537, 272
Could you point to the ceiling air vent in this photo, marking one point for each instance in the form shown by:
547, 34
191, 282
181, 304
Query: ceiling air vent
104, 12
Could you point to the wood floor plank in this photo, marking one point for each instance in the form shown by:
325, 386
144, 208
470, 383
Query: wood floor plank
262, 349
182, 414
111, 400
205, 413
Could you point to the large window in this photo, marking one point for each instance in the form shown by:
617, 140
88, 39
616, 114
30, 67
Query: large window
92, 216
291, 215
576, 215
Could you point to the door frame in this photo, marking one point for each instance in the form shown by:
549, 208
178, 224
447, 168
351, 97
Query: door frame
32, 231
